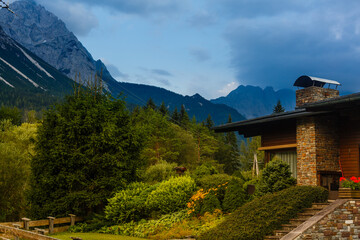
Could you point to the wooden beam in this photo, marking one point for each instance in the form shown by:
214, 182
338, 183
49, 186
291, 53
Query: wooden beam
294, 145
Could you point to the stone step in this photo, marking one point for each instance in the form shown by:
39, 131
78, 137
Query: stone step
321, 205
305, 215
296, 221
272, 237
289, 226
281, 233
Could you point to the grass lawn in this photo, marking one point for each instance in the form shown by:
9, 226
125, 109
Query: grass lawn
92, 236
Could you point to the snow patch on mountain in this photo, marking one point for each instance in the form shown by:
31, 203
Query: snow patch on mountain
20, 73
35, 62
2, 79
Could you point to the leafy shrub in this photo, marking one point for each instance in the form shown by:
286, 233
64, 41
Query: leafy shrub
276, 176
200, 202
129, 204
160, 172
204, 170
210, 203
212, 181
263, 215
215, 181
190, 226
145, 228
235, 196
171, 195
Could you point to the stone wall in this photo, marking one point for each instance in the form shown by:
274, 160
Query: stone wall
343, 223
327, 143
314, 94
317, 148
306, 151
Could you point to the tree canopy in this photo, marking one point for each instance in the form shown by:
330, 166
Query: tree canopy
86, 149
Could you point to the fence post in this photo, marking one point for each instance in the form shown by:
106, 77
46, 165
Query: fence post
51, 225
72, 219
16, 237
26, 223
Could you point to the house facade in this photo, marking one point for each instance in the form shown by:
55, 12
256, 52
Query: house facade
320, 139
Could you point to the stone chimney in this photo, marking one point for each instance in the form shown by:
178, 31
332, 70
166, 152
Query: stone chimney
314, 94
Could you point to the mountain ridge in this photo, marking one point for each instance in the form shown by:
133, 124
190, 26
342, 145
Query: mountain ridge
244, 98
47, 36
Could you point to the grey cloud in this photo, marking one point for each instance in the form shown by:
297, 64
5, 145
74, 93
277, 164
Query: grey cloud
138, 7
200, 54
163, 81
275, 50
76, 16
161, 72
115, 72
202, 19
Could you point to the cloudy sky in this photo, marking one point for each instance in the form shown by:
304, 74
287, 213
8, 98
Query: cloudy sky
212, 46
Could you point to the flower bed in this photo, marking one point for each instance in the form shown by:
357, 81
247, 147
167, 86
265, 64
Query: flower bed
350, 189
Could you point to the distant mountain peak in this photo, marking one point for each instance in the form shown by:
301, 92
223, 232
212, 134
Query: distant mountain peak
253, 101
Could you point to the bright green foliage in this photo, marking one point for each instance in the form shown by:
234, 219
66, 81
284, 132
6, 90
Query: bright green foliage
86, 150
11, 113
235, 196
204, 170
160, 171
276, 176
262, 216
210, 203
145, 228
163, 139
93, 236
247, 149
206, 144
129, 204
213, 181
16, 148
171, 195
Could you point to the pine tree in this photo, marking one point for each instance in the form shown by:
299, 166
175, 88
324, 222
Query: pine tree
278, 108
86, 149
163, 109
184, 117
175, 117
209, 122
150, 104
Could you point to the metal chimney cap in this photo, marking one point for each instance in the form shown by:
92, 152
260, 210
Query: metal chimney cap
308, 81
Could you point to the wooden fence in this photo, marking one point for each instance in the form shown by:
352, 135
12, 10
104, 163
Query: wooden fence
22, 229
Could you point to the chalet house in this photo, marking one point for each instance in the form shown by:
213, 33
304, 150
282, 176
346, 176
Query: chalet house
320, 139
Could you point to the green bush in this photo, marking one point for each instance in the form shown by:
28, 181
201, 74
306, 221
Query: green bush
235, 196
215, 181
160, 172
145, 228
263, 215
204, 170
129, 204
276, 176
171, 195
210, 203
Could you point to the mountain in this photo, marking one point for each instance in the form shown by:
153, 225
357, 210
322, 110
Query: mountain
26, 81
46, 35
255, 101
195, 105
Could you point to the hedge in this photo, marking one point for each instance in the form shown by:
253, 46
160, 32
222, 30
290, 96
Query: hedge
262, 216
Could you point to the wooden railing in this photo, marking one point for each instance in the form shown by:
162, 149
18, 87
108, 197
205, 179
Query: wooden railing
22, 228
